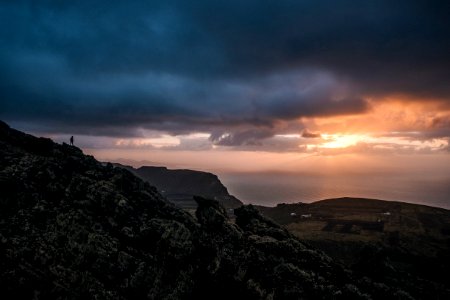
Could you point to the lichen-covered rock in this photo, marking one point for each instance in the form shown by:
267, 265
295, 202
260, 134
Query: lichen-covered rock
251, 220
71, 228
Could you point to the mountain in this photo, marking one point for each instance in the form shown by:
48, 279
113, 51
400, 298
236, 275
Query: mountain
388, 241
180, 186
72, 228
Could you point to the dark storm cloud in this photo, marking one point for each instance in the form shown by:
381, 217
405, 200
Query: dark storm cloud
235, 67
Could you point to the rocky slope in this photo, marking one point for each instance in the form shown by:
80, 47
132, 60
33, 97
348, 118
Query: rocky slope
180, 186
71, 228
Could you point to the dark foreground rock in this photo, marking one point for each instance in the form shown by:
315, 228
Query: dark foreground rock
71, 228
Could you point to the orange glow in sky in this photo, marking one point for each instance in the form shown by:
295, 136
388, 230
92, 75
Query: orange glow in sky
391, 128
341, 141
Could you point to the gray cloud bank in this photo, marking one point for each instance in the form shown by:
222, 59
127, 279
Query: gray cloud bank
234, 69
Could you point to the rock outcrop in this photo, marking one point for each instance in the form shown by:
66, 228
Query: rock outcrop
72, 228
180, 186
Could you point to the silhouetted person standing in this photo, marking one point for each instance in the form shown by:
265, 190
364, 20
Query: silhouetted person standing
71, 140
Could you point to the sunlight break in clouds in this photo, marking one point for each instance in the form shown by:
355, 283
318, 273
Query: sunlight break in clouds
265, 83
341, 141
157, 142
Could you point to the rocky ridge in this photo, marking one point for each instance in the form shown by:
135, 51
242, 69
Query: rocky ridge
181, 185
71, 228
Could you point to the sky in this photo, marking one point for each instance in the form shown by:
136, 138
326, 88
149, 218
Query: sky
247, 86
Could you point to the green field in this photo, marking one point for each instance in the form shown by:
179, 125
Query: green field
379, 239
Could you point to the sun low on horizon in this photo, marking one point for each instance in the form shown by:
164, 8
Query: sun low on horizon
231, 87
385, 131
224, 149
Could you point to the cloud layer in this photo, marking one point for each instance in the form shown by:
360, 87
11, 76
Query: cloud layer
242, 71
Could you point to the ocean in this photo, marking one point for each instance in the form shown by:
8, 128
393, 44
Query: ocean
269, 189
